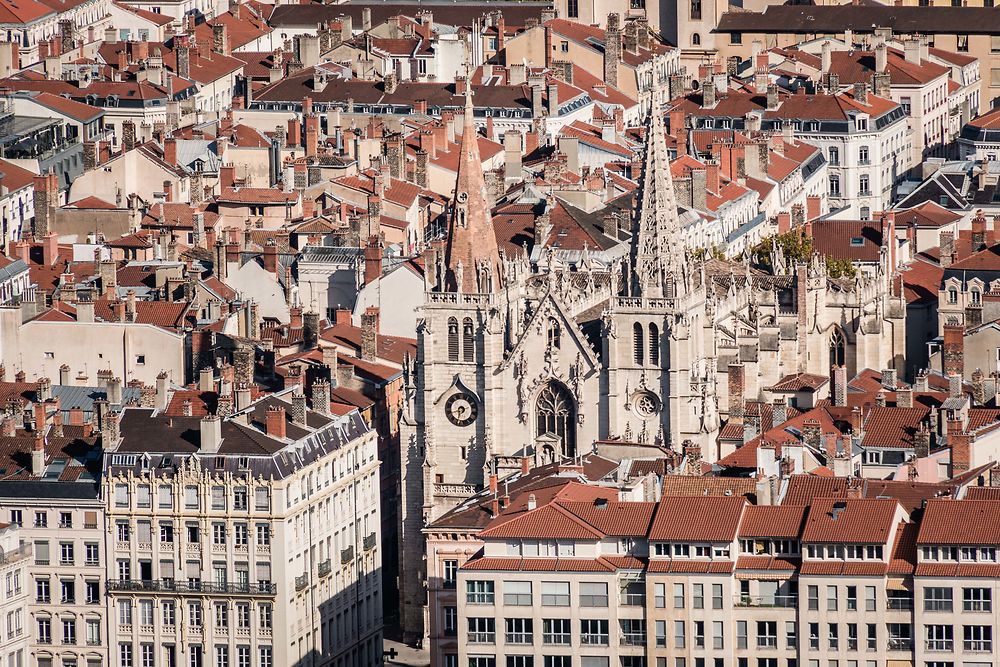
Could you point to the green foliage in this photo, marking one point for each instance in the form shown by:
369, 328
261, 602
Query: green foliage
840, 268
794, 246
708, 253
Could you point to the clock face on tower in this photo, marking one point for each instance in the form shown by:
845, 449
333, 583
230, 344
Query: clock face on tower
462, 409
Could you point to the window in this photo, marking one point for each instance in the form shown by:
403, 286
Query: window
594, 632
15, 517
218, 498
834, 153
65, 519
870, 593
92, 553
262, 500
142, 496
678, 596
863, 156
564, 46
553, 333
695, 10
654, 345
831, 598
767, 634
994, 75
556, 631
93, 592
834, 185
937, 599
450, 573
637, 344
977, 599
863, 187
263, 534
66, 556
166, 532
482, 630
93, 632
697, 596
977, 638
866, 214
940, 637
975, 294
41, 520
963, 43
42, 590
468, 340
168, 612
125, 612
517, 593
125, 655
718, 635
41, 553
852, 598
67, 591
736, 38
479, 592
266, 657
573, 9
452, 339
906, 104
593, 594
555, 594
518, 631
661, 633
861, 124
952, 295
695, 39
680, 634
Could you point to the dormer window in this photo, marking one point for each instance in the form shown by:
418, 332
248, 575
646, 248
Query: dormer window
976, 297
682, 551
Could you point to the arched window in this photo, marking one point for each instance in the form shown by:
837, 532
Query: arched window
952, 295
553, 333
976, 298
452, 339
695, 39
555, 424
654, 345
637, 344
838, 348
468, 340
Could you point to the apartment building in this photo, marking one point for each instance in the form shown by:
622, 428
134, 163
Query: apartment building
864, 137
842, 581
50, 492
14, 559
251, 539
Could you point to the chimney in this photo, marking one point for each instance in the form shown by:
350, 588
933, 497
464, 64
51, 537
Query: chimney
321, 397
298, 408
826, 58
904, 397
960, 444
525, 465
553, 99
889, 379
369, 333
612, 49
953, 350
206, 379
50, 249
779, 412
183, 61
242, 396
772, 97
220, 39
881, 57
310, 330
211, 434
955, 385
861, 92
922, 442
708, 93
751, 427
947, 243
64, 375
38, 455
275, 422
161, 391
978, 231
911, 50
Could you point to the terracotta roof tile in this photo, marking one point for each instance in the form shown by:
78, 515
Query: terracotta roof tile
960, 522
850, 521
720, 518
776, 521
667, 566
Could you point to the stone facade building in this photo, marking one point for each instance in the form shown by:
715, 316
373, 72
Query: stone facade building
538, 356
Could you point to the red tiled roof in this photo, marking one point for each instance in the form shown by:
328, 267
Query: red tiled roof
833, 569
777, 521
538, 565
904, 553
720, 517
983, 493
972, 570
892, 427
960, 522
665, 566
850, 521
614, 518
766, 563
693, 485
800, 382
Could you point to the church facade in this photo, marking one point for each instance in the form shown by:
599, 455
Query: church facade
531, 359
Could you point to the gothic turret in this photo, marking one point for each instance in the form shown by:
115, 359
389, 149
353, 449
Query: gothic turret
472, 259
658, 248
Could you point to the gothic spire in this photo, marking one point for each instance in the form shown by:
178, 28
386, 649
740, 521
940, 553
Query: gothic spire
472, 258
656, 231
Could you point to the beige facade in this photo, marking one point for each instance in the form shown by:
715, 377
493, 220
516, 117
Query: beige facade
63, 586
218, 559
14, 630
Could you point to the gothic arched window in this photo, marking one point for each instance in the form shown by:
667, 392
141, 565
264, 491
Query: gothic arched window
638, 348
838, 348
452, 339
654, 345
553, 333
554, 418
468, 340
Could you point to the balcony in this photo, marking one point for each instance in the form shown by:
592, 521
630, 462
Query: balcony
978, 645
900, 604
346, 555
325, 568
939, 645
369, 542
900, 644
633, 639
589, 639
785, 601
519, 638
195, 587
301, 581
482, 638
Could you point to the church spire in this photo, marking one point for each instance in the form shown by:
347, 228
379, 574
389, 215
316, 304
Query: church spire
472, 258
658, 248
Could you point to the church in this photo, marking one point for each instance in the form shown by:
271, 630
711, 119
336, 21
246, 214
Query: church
529, 359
